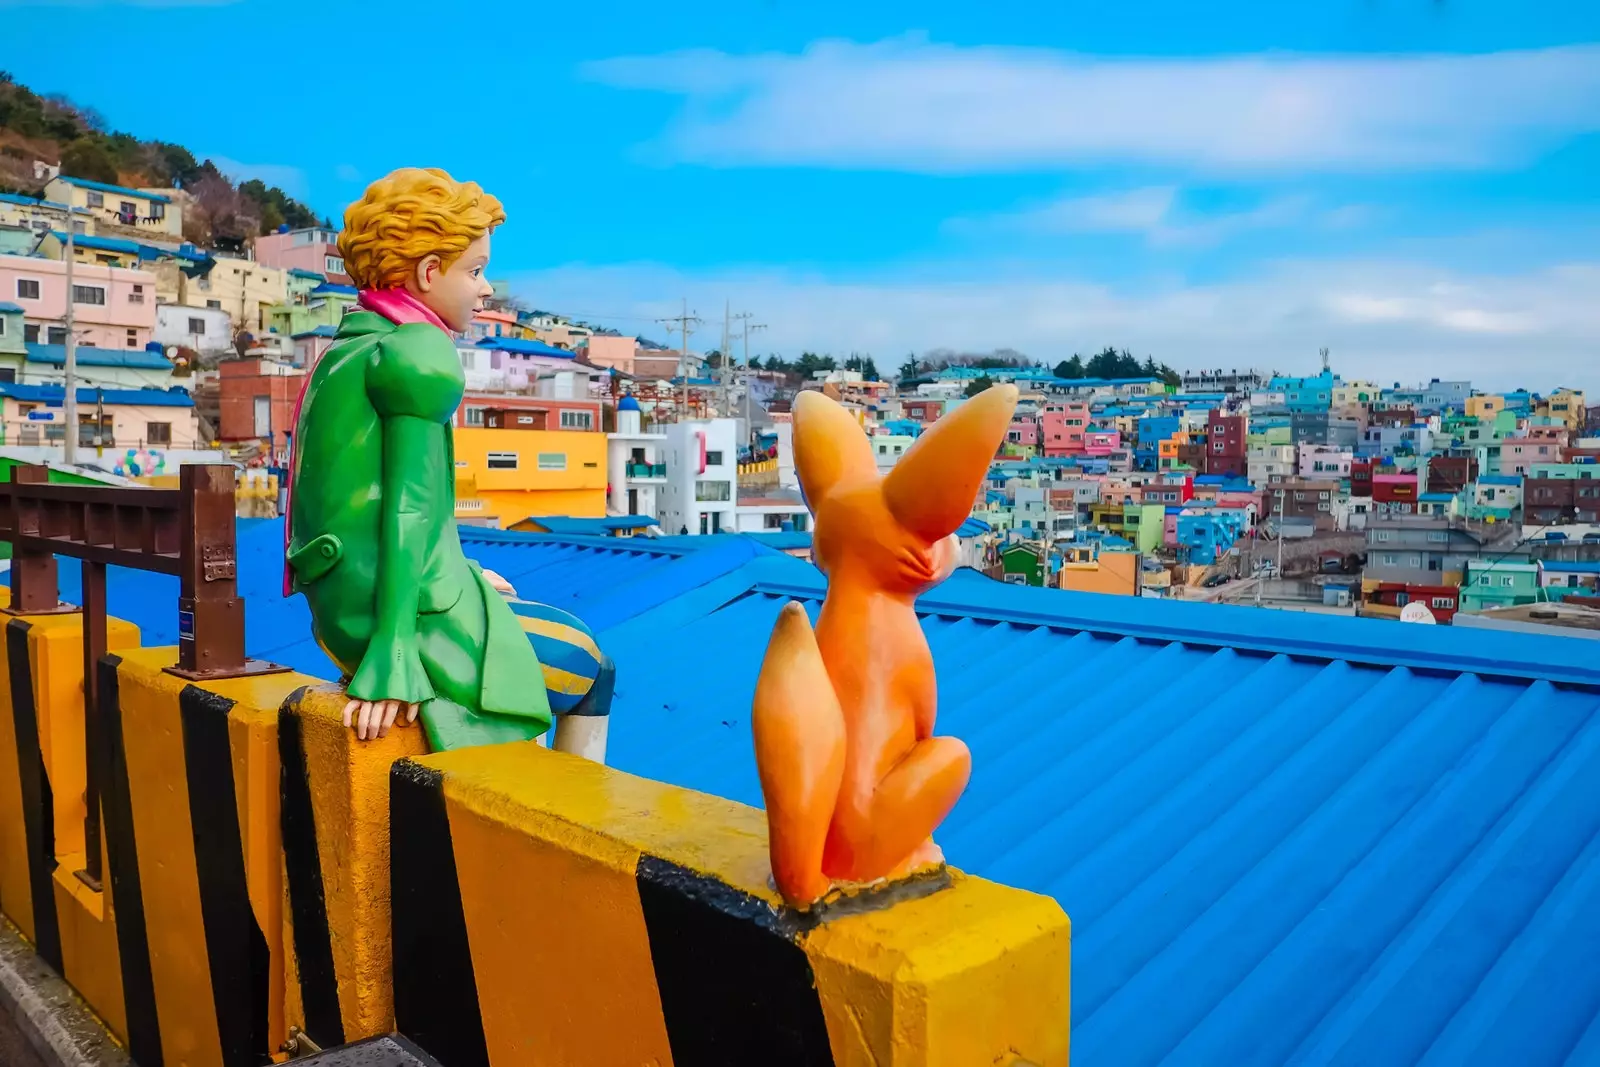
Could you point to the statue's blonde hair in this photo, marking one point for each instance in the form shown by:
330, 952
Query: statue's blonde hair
413, 213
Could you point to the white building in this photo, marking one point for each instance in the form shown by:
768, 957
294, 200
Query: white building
1262, 464
635, 465
206, 330
701, 491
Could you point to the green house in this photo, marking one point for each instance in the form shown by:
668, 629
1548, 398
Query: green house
1022, 564
1498, 583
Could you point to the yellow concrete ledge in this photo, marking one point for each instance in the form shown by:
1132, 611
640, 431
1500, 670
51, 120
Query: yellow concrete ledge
543, 902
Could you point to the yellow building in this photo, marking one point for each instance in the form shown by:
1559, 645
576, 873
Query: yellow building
504, 477
1086, 571
1568, 406
158, 214
1485, 407
1347, 394
243, 288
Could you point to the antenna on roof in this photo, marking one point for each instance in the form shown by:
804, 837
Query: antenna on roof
1324, 353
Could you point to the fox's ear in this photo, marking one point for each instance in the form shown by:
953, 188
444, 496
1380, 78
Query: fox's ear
931, 490
829, 446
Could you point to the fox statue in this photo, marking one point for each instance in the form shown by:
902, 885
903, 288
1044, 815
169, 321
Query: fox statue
854, 780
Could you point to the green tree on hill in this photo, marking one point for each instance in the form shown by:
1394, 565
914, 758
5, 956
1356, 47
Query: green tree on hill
978, 385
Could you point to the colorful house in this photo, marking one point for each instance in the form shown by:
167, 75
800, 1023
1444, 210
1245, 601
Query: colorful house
1495, 498
112, 307
1498, 583
146, 210
107, 418
312, 249
505, 476
325, 306
1062, 426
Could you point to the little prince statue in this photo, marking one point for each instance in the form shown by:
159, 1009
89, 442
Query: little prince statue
371, 535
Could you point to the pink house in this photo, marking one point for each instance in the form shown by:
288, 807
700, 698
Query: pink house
1518, 454
1062, 427
606, 350
1023, 432
312, 249
112, 307
1101, 442
1169, 528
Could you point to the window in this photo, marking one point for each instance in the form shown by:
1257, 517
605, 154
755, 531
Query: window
1217, 448
56, 335
1438, 535
133, 338
127, 209
263, 416
215, 305
89, 294
197, 326
333, 264
883, 450
1507, 581
712, 491
1443, 602
577, 420
507, 461
474, 417
552, 461
1389, 559
158, 210
137, 296
96, 199
27, 288
158, 433
30, 333
1380, 535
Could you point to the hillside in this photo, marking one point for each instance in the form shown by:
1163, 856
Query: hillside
57, 131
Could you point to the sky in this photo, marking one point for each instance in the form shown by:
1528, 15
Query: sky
1413, 184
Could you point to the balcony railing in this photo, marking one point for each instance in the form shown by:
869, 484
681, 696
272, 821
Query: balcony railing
187, 532
647, 470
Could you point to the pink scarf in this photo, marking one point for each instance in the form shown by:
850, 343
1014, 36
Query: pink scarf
400, 308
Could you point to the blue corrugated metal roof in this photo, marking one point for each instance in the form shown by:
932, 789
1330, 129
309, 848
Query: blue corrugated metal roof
297, 272
93, 356
1294, 839
523, 347
336, 289
1571, 566
57, 394
120, 190
320, 331
10, 308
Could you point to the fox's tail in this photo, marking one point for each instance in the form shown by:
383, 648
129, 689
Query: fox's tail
800, 741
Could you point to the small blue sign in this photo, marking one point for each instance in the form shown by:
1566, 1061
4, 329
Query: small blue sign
185, 626
41, 416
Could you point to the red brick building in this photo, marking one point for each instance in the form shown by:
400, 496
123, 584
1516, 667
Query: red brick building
256, 399
1451, 474
1552, 500
1226, 446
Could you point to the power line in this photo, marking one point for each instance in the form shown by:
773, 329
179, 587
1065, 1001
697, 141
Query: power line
685, 322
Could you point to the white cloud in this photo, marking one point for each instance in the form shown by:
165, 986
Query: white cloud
291, 180
1383, 320
1155, 213
911, 105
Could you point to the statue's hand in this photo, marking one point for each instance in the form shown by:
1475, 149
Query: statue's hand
499, 584
373, 718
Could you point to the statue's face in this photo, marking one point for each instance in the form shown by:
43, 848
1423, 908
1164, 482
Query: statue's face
457, 293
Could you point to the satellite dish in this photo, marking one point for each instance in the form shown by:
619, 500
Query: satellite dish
1417, 611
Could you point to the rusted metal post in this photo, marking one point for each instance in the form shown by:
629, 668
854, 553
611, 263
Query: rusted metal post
210, 613
96, 761
33, 572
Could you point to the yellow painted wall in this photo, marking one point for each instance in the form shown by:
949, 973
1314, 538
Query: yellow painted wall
512, 495
1113, 572
1485, 407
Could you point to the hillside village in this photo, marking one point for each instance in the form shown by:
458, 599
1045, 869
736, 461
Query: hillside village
1315, 492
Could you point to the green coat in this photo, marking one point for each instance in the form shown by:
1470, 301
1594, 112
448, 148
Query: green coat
394, 601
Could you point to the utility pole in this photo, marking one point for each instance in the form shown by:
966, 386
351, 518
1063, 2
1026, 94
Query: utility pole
722, 361
749, 427
684, 322
69, 366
